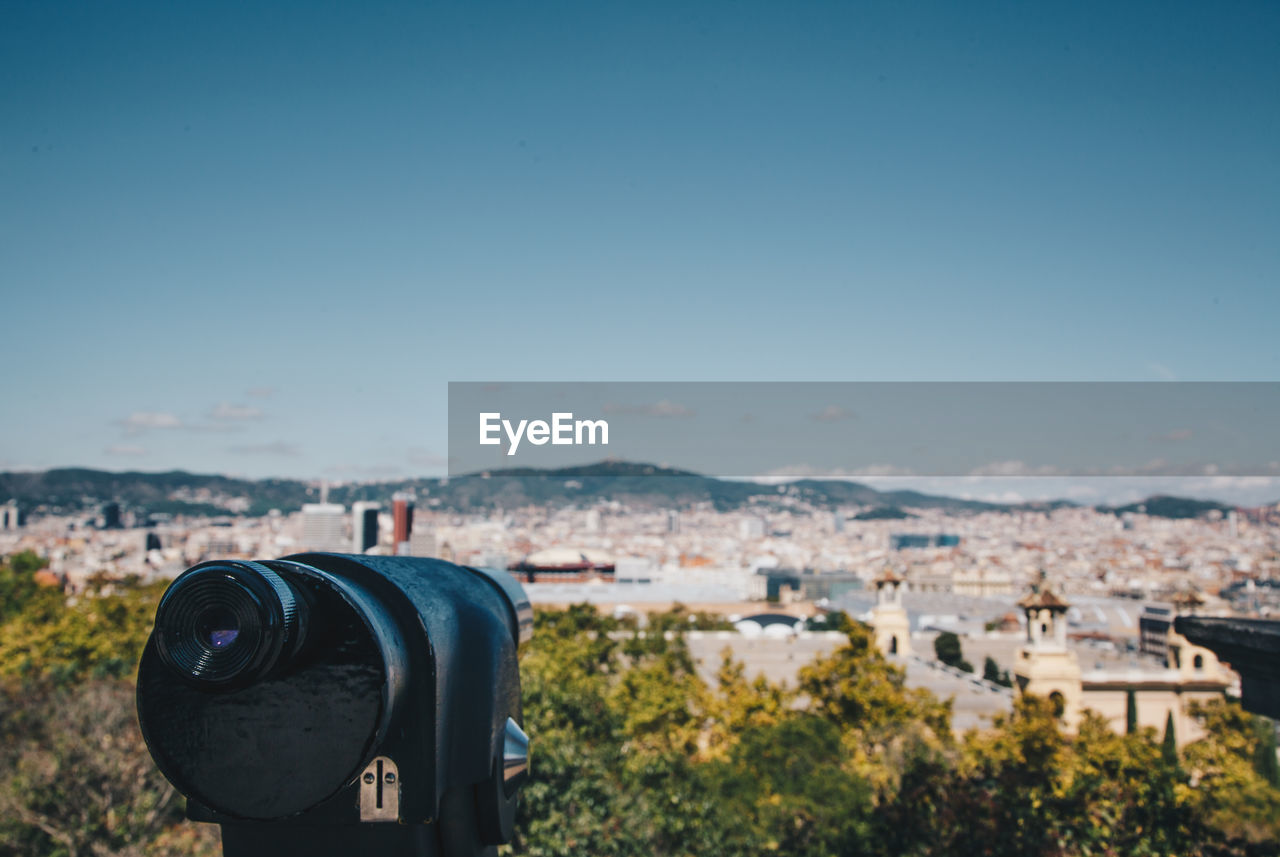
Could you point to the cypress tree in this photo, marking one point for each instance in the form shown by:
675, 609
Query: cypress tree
1131, 712
1169, 747
1265, 756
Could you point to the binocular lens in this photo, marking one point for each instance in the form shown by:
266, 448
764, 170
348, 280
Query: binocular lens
225, 625
218, 627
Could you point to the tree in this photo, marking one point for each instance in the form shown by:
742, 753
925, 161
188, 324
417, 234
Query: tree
1130, 712
18, 587
101, 635
991, 672
856, 687
1265, 754
1169, 746
76, 778
788, 779
946, 646
636, 755
835, 620
1232, 801
1000, 798
739, 705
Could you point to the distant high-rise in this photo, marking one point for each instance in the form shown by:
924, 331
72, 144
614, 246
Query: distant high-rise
673, 521
10, 517
364, 526
111, 516
324, 527
402, 514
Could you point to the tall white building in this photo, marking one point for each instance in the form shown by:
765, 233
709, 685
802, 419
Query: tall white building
9, 516
324, 527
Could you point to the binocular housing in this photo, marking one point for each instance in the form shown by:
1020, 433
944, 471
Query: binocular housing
330, 703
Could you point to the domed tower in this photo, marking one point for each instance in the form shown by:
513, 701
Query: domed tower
1045, 666
889, 618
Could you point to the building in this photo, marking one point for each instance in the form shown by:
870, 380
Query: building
829, 585
1253, 647
110, 518
1046, 667
10, 517
402, 518
985, 582
903, 541
423, 541
364, 526
564, 565
889, 623
1153, 629
777, 585
324, 527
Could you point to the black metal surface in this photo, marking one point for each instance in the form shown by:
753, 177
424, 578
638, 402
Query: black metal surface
408, 658
374, 840
1251, 647
472, 681
280, 745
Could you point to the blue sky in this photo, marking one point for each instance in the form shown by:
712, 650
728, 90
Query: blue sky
261, 238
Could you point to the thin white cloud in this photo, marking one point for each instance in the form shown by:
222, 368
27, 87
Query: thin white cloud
261, 392
140, 421
225, 411
125, 450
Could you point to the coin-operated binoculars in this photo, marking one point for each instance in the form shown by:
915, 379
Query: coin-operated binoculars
325, 704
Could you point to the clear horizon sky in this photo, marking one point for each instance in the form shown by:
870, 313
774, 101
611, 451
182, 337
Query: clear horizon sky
260, 239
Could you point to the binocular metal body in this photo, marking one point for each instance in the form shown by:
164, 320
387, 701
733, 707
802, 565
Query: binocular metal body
326, 703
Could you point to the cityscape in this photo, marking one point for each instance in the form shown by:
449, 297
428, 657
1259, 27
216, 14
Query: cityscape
773, 565
640, 430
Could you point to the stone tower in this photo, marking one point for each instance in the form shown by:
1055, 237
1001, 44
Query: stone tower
1045, 666
889, 618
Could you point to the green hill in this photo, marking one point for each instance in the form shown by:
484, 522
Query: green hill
70, 490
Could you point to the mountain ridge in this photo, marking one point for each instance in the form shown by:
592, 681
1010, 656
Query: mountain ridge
74, 489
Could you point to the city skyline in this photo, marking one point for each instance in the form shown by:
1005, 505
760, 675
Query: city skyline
262, 242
